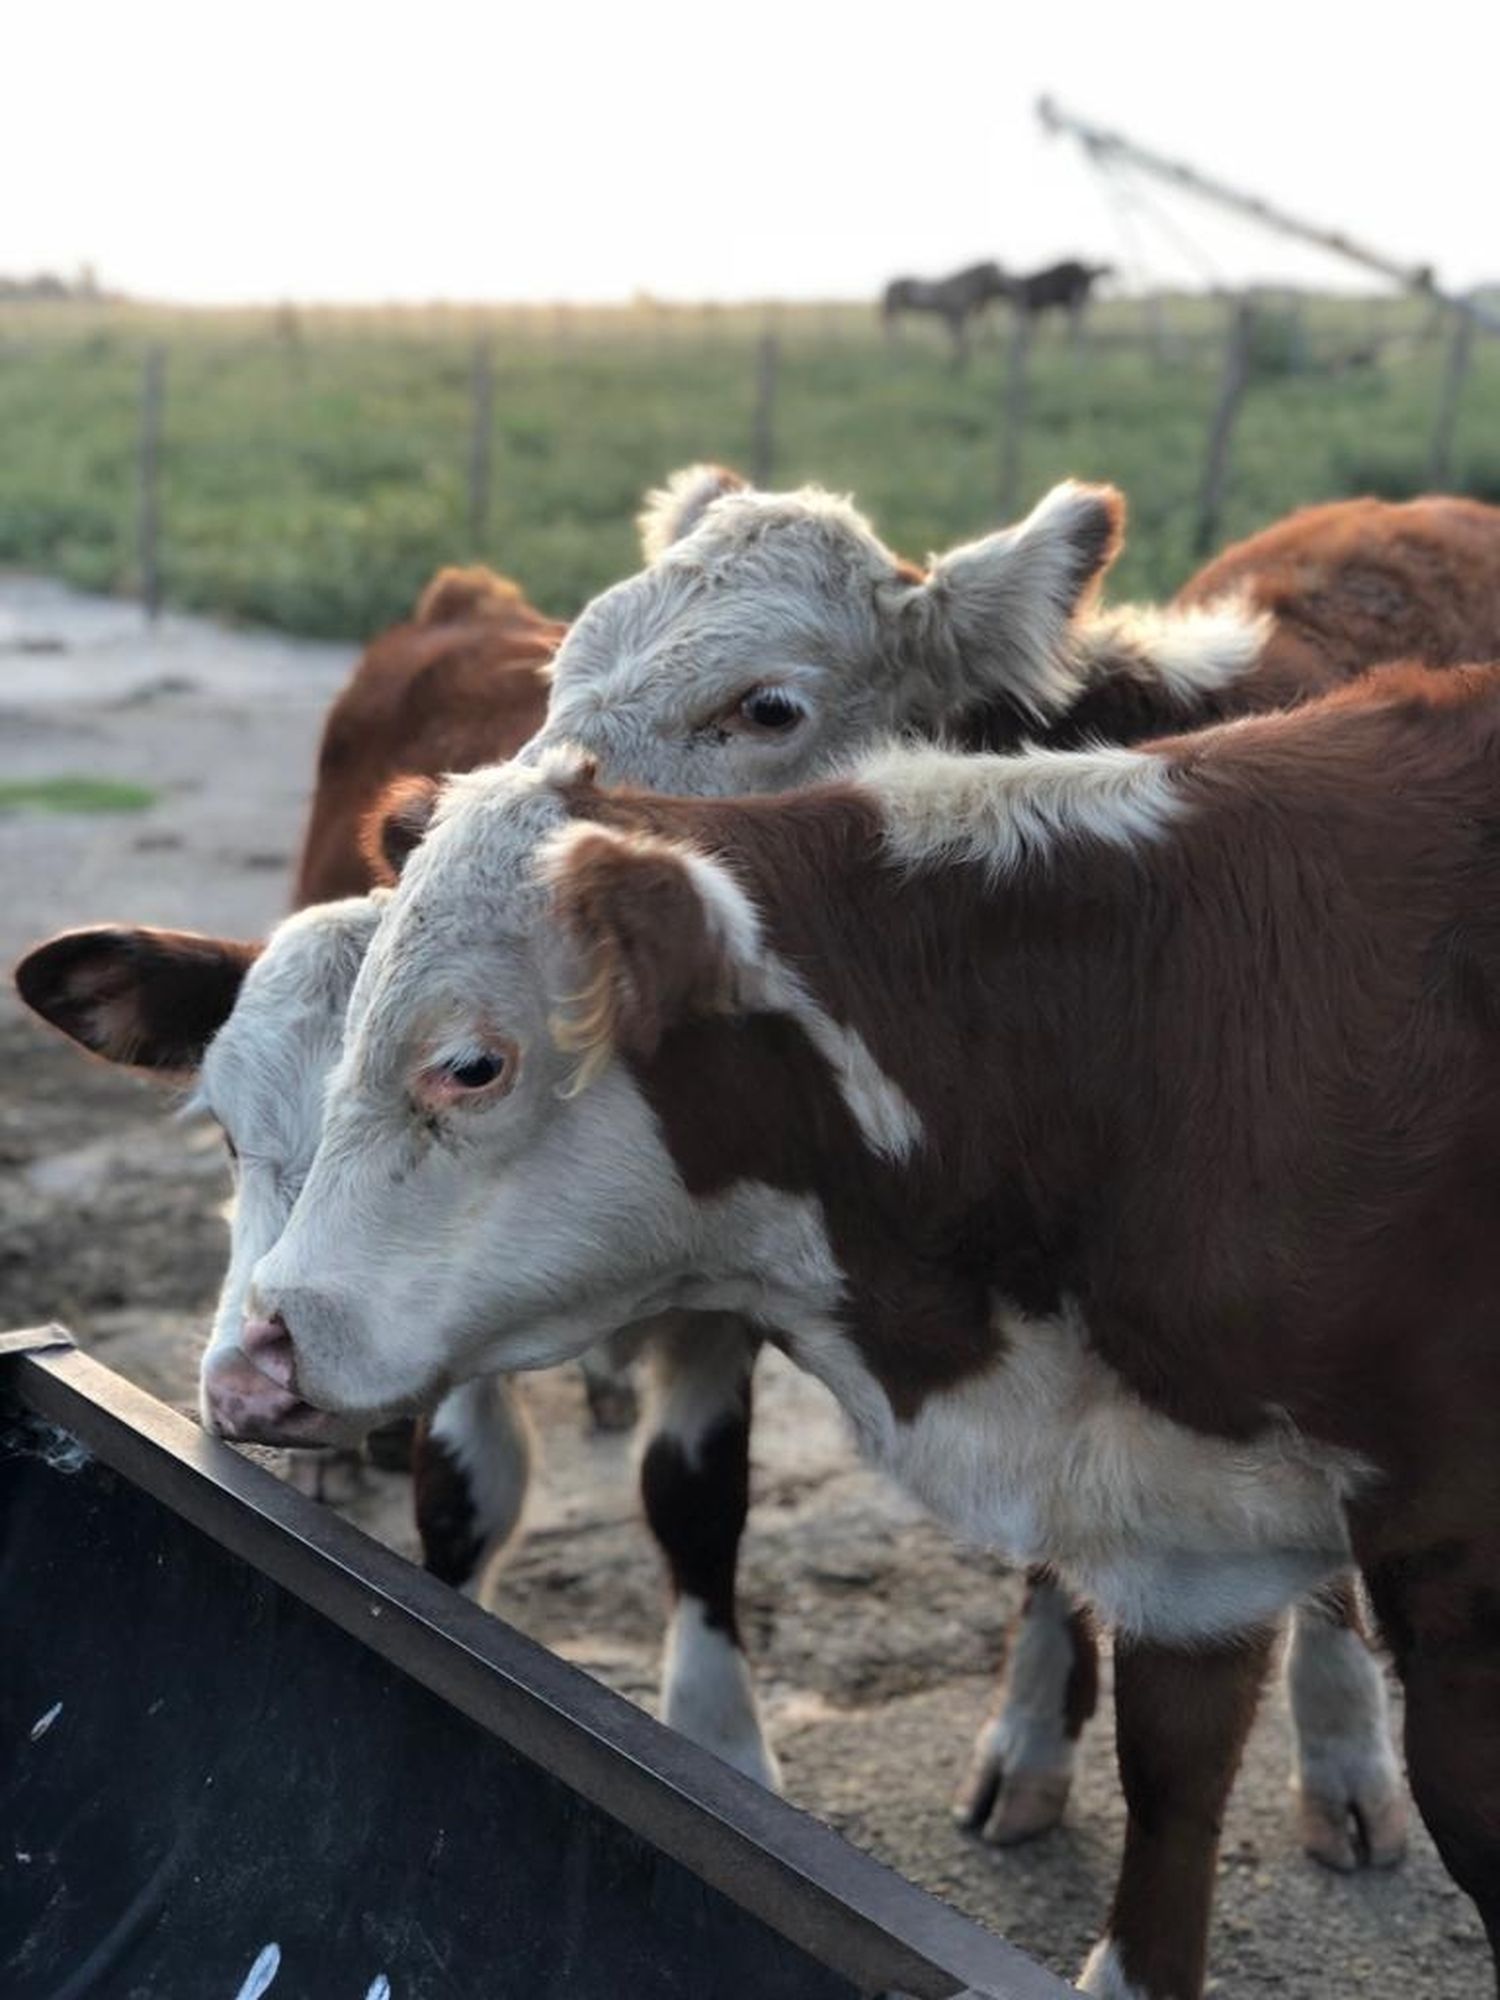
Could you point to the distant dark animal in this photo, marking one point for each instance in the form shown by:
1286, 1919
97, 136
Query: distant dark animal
1065, 287
954, 300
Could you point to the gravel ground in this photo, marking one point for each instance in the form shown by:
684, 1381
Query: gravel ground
875, 1636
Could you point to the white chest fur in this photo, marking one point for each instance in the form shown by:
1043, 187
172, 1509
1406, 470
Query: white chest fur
1051, 1458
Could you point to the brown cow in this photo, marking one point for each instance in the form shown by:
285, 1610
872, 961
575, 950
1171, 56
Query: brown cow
1116, 1133
462, 683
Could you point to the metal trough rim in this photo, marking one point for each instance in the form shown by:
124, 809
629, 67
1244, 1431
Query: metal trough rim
785, 1868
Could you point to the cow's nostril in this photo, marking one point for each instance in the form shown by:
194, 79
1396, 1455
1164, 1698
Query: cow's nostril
269, 1345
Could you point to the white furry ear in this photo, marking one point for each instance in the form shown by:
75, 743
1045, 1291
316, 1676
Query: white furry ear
669, 512
991, 620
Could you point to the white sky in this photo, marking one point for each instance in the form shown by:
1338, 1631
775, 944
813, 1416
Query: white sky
553, 149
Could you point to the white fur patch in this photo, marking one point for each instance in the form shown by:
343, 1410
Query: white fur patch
1170, 1533
998, 813
1103, 1976
1195, 651
707, 1695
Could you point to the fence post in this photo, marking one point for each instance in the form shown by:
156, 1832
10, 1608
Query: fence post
1013, 421
1440, 451
763, 427
481, 425
148, 466
1233, 382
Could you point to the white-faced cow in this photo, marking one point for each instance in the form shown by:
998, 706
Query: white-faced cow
1116, 1133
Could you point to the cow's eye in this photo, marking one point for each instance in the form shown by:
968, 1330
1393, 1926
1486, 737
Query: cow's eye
476, 1071
771, 709
234, 1151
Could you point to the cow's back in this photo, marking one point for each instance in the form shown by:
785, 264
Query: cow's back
462, 683
1356, 582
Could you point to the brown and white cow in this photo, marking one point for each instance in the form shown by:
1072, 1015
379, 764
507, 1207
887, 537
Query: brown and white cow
1115, 1132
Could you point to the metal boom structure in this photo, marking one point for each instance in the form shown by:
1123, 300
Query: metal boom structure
1104, 146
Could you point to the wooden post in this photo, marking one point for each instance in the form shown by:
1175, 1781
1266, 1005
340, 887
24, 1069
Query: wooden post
148, 466
763, 426
481, 425
1013, 421
1440, 451
1232, 385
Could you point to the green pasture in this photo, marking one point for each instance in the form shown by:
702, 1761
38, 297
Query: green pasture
314, 463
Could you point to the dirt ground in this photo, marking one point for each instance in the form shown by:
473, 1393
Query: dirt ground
875, 1636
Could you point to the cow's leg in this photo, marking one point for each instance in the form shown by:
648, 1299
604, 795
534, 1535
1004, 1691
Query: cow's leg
1351, 1798
1022, 1770
609, 1387
1181, 1717
1439, 1609
695, 1483
471, 1464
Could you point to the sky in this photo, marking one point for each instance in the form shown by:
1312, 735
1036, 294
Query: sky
438, 149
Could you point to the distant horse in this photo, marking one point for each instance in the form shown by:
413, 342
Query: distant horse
1064, 287
954, 300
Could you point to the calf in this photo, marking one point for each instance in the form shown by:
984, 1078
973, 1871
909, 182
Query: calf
1116, 1134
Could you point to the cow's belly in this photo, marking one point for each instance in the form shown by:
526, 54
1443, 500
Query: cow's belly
1169, 1533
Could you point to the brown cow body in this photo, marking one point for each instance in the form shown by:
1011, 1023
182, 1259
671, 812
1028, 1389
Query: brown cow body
1124, 1153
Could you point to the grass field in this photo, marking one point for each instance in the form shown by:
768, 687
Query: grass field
314, 464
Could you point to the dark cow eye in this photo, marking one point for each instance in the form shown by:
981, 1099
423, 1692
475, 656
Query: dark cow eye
234, 1151
477, 1071
771, 709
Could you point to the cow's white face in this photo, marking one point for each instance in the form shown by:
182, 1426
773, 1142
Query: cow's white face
263, 1079
470, 1209
772, 636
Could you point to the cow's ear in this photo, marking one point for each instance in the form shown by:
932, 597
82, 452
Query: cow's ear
990, 620
475, 592
665, 936
669, 512
396, 825
151, 999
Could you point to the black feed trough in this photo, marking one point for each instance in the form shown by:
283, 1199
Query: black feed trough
246, 1751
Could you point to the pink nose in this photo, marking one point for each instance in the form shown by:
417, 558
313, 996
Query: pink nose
249, 1392
271, 1345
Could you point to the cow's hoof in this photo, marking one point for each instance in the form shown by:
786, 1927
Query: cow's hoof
1007, 1809
1356, 1827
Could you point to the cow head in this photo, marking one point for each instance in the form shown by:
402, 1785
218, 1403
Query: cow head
492, 1189
258, 1028
772, 634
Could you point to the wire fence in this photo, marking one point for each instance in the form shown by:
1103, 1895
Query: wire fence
310, 469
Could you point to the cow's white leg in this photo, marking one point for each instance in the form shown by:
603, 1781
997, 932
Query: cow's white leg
1022, 1770
1351, 1799
695, 1483
471, 1465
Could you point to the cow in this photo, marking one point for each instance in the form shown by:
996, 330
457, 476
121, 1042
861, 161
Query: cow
955, 300
462, 682
1163, 671
1115, 1132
